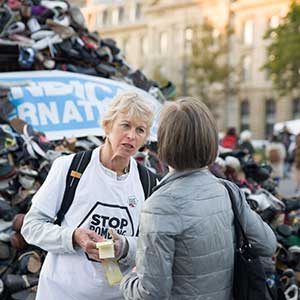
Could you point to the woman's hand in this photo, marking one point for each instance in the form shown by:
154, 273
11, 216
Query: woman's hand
120, 244
87, 239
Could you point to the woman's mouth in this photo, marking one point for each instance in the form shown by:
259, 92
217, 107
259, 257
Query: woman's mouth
128, 146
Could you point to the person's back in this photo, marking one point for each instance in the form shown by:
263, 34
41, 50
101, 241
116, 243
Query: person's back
203, 261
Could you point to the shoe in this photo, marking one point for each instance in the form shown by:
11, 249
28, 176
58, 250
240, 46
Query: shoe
4, 251
63, 31
47, 42
7, 171
105, 70
15, 283
26, 9
60, 6
6, 18
26, 57
77, 18
21, 40
17, 241
16, 27
29, 294
7, 142
30, 262
14, 4
33, 25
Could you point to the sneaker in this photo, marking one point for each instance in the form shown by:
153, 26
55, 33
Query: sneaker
30, 262
6, 18
77, 18
26, 57
60, 6
33, 25
15, 28
15, 283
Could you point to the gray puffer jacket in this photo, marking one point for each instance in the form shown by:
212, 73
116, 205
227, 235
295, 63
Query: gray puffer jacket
186, 244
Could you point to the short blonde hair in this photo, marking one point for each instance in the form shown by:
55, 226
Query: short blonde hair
132, 104
187, 135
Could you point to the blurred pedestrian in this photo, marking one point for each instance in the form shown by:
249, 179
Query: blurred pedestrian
230, 139
276, 153
186, 243
286, 138
245, 143
296, 163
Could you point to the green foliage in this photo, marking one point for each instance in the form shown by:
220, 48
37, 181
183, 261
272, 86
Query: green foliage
283, 52
208, 61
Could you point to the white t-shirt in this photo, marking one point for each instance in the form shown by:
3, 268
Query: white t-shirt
101, 201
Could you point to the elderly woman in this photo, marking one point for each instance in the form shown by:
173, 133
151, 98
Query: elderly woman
185, 248
109, 194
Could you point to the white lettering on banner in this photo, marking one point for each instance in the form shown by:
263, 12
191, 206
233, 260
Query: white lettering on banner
78, 89
88, 109
90, 89
28, 110
48, 113
71, 113
56, 88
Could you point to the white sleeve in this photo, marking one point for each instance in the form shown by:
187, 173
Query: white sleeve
38, 229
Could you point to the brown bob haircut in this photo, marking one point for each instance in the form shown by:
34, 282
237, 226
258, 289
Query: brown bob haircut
187, 135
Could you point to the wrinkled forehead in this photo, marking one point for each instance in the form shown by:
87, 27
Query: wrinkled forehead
130, 117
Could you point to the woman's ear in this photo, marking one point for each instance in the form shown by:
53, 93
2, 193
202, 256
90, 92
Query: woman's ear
106, 127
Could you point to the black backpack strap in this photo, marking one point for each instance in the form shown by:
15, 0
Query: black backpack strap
148, 180
78, 165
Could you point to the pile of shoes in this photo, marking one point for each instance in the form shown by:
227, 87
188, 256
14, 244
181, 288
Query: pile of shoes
51, 34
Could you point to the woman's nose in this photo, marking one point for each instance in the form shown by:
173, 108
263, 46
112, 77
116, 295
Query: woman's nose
131, 133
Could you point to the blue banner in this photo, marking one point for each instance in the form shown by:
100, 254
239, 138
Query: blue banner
63, 104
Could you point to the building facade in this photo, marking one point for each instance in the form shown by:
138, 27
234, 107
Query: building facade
154, 35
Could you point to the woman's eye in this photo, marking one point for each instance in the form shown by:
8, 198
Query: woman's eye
124, 125
140, 130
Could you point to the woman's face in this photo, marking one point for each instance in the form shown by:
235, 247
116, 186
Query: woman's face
126, 135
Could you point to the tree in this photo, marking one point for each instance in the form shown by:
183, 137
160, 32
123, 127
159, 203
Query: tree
208, 68
283, 52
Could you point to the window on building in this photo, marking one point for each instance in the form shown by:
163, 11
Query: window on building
163, 42
248, 32
115, 17
244, 115
105, 17
99, 20
246, 68
126, 47
144, 45
296, 108
270, 108
121, 14
274, 22
138, 11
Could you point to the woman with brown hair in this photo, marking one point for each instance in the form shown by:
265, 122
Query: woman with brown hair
185, 249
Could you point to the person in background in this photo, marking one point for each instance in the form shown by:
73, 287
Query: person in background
230, 139
296, 163
109, 194
245, 142
186, 243
275, 153
286, 138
